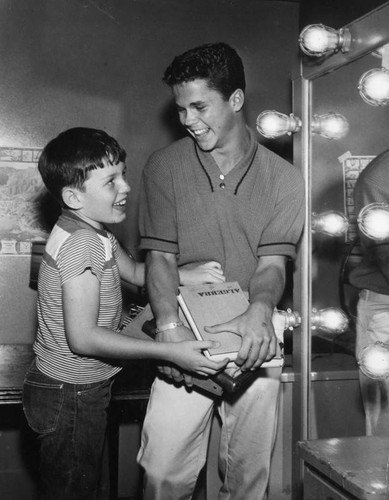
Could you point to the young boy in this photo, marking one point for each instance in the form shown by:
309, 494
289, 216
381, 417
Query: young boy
78, 347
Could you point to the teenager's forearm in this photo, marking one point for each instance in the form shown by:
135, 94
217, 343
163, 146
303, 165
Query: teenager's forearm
267, 284
162, 281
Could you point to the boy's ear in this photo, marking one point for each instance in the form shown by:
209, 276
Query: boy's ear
237, 99
70, 198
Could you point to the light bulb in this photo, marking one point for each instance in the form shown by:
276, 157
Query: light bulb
317, 40
374, 87
331, 223
330, 125
373, 221
272, 124
332, 320
373, 360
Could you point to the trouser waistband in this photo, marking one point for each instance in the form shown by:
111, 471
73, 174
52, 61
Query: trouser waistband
374, 296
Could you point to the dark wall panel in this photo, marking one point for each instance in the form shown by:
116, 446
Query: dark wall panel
73, 63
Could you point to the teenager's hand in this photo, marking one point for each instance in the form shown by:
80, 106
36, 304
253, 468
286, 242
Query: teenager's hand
197, 274
255, 326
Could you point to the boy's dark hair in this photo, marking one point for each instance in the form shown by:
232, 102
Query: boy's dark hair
218, 63
68, 159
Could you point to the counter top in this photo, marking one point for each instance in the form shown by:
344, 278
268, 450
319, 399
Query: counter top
358, 465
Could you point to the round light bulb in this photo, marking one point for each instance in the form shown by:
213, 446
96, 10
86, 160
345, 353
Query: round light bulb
377, 86
271, 124
332, 320
330, 125
373, 221
335, 127
316, 39
332, 223
335, 224
373, 87
373, 360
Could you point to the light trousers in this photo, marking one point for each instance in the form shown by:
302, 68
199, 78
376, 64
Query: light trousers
176, 432
372, 326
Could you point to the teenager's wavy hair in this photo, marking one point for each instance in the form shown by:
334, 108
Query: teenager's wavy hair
67, 160
218, 63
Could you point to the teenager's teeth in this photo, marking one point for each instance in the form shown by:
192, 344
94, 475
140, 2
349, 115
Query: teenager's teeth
200, 131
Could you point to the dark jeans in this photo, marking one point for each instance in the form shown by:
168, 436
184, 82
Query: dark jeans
71, 422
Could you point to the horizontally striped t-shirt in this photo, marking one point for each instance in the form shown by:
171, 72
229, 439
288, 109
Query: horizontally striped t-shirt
73, 247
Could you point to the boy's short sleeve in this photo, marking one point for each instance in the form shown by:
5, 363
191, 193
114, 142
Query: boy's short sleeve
81, 251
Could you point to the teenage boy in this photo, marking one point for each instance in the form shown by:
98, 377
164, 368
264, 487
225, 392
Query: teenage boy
78, 347
216, 195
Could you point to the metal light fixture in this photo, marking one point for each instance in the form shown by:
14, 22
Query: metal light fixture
331, 320
331, 223
318, 40
272, 124
373, 360
330, 125
291, 319
373, 221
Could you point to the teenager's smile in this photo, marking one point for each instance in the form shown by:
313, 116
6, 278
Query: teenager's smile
205, 114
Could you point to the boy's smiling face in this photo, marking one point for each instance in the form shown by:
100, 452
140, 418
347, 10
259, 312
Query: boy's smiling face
104, 195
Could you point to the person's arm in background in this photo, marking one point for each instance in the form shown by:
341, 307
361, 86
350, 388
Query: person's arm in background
199, 273
195, 273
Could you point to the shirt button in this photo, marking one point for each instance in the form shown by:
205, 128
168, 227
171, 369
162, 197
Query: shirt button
222, 185
221, 176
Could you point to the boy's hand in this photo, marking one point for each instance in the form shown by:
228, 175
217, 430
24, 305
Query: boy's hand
189, 356
186, 353
197, 274
174, 335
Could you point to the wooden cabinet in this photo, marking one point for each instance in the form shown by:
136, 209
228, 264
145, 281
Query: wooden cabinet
317, 487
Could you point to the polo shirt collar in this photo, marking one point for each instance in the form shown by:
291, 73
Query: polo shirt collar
234, 177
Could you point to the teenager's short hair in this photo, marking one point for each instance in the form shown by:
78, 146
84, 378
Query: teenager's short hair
218, 63
68, 159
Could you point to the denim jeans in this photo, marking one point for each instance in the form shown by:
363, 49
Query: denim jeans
70, 421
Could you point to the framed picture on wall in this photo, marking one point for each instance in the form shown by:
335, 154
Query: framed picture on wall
25, 211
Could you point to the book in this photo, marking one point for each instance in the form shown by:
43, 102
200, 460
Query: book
142, 326
211, 304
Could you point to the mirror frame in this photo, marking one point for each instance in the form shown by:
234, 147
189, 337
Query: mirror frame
368, 33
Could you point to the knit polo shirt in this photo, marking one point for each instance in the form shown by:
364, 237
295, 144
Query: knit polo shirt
189, 208
372, 186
